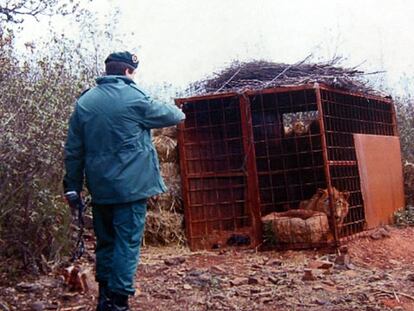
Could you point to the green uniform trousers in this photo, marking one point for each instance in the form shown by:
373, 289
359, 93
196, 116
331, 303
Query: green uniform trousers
118, 229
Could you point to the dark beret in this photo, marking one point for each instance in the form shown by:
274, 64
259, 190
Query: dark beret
124, 57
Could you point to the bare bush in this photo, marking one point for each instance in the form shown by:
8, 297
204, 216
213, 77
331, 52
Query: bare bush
405, 120
36, 99
14, 11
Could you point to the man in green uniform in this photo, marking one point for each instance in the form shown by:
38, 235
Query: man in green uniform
109, 142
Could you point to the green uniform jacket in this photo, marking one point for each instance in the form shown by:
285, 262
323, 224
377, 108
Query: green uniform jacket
109, 141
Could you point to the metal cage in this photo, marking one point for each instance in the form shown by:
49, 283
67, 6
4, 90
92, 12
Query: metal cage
246, 155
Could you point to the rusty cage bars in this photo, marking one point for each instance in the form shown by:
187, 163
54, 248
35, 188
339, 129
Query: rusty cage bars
239, 162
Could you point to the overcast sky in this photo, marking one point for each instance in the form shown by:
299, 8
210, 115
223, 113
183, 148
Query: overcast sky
179, 41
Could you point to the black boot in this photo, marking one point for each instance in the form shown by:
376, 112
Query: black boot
119, 302
104, 302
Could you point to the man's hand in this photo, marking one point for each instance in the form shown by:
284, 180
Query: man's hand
75, 202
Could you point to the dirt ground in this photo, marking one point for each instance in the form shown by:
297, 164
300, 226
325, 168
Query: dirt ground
375, 274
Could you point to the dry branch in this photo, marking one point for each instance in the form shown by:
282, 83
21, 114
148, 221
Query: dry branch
263, 74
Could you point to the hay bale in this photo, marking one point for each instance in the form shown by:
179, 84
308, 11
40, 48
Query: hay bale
172, 199
164, 224
163, 228
170, 132
166, 148
409, 183
167, 202
170, 172
156, 132
296, 226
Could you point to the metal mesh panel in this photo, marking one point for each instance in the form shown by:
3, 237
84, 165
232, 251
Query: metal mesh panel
217, 205
289, 163
344, 115
289, 160
213, 159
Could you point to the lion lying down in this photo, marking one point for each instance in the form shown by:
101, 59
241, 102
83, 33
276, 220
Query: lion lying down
320, 203
309, 223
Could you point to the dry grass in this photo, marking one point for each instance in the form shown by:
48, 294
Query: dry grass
165, 215
164, 227
166, 148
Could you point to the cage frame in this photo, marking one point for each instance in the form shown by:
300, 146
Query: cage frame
253, 202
